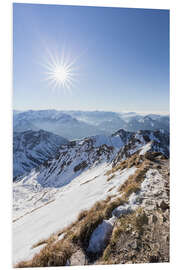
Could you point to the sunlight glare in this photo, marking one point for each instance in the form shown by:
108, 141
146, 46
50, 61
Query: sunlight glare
59, 71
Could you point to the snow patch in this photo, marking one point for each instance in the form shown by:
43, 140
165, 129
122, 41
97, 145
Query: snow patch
145, 148
101, 235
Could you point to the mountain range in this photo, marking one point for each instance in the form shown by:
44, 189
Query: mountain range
76, 156
78, 124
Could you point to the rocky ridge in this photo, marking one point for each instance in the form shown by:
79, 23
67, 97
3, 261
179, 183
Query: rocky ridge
76, 156
32, 148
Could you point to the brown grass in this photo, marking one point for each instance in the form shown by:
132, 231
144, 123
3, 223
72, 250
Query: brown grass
110, 177
49, 240
134, 181
82, 215
111, 206
85, 228
111, 188
134, 160
51, 255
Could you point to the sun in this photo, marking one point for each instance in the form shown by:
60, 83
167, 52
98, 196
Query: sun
61, 74
60, 71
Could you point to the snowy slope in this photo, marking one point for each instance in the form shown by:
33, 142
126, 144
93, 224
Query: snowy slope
69, 201
32, 148
75, 157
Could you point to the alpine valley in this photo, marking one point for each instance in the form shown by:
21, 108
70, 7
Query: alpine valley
90, 188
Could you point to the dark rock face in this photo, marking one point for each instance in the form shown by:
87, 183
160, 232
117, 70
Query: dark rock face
33, 148
80, 166
164, 206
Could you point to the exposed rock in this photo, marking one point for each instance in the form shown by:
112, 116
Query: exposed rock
80, 166
78, 258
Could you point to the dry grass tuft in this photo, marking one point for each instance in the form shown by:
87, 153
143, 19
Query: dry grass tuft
110, 177
85, 228
82, 215
134, 181
111, 188
134, 160
50, 255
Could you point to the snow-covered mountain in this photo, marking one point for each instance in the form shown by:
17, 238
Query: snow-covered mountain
57, 122
75, 157
147, 123
50, 197
79, 124
109, 122
32, 148
94, 117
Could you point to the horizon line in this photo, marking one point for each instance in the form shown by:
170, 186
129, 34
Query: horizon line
96, 110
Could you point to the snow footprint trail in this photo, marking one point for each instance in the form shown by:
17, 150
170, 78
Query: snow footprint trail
101, 235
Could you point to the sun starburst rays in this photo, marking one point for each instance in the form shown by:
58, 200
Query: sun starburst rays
60, 71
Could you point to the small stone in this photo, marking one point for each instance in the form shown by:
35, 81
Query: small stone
163, 205
78, 258
154, 259
134, 244
152, 219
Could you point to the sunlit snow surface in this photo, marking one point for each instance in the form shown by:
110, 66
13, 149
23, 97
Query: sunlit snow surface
39, 212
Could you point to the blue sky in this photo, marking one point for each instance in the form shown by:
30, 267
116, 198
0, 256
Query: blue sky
122, 57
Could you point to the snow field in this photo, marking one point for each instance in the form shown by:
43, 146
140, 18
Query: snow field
80, 194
